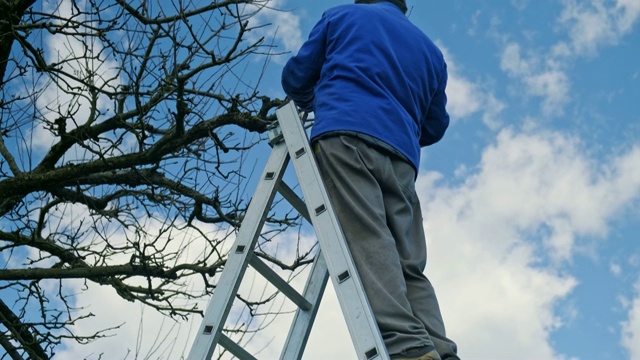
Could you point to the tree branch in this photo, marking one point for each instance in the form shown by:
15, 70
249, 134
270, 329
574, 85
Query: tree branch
25, 183
13, 11
9, 158
21, 333
100, 272
170, 19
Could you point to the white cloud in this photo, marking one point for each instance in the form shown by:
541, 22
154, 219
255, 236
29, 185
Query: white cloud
499, 237
630, 12
285, 27
473, 23
631, 327
615, 269
544, 79
463, 97
512, 61
590, 25
143, 332
595, 23
552, 85
466, 98
520, 4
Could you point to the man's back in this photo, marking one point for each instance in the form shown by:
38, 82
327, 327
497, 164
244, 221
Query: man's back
377, 74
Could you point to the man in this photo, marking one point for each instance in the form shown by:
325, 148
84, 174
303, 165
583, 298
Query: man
377, 86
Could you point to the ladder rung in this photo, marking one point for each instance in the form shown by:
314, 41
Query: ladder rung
234, 348
279, 283
294, 200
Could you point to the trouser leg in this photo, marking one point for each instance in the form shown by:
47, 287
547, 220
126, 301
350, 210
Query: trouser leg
375, 209
411, 244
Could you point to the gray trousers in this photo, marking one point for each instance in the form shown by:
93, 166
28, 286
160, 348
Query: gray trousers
373, 193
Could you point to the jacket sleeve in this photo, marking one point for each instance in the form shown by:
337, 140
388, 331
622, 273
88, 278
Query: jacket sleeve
302, 72
437, 119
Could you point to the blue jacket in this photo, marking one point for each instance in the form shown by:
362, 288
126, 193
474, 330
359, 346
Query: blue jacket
366, 68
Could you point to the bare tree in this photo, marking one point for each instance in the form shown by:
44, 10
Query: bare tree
122, 125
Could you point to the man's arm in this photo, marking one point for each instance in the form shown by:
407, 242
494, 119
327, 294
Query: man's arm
437, 118
301, 73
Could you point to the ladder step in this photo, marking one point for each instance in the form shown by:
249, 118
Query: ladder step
294, 200
279, 283
234, 348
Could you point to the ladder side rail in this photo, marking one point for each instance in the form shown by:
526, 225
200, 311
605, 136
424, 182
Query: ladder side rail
222, 299
303, 320
349, 289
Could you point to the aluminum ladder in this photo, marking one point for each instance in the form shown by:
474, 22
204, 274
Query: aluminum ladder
289, 141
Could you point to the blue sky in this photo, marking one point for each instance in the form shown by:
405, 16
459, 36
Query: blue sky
532, 199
